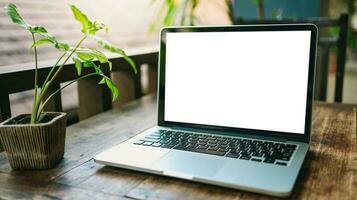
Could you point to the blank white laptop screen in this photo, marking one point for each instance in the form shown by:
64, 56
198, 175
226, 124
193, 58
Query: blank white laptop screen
252, 80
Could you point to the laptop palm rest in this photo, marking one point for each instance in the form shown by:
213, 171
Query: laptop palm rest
186, 164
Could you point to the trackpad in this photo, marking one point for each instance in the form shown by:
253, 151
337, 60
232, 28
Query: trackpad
195, 164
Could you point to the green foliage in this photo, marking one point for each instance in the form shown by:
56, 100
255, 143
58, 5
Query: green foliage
351, 37
171, 10
16, 18
82, 57
77, 65
88, 27
110, 47
48, 39
114, 90
82, 18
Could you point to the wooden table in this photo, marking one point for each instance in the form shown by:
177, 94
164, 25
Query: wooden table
329, 172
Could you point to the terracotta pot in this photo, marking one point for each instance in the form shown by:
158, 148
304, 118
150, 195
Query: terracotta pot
34, 146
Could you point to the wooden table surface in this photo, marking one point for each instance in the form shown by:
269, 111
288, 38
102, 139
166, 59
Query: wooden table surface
329, 171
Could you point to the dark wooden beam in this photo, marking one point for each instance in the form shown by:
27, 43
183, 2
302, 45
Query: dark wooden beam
324, 68
341, 57
92, 98
125, 81
5, 111
152, 77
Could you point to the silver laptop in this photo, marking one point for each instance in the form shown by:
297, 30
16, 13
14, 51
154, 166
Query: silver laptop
234, 108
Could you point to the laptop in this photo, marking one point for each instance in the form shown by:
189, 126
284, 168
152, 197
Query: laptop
234, 108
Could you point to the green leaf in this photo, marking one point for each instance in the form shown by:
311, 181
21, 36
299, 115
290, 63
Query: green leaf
85, 55
42, 41
90, 54
37, 29
89, 63
113, 88
88, 27
14, 15
48, 39
16, 18
110, 84
102, 81
99, 55
82, 18
114, 49
62, 46
78, 65
170, 13
96, 26
110, 64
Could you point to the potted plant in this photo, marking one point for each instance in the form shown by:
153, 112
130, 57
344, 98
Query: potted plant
36, 140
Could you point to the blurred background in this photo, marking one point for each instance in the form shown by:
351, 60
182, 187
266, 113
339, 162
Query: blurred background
135, 24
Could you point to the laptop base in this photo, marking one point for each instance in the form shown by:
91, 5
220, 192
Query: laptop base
260, 177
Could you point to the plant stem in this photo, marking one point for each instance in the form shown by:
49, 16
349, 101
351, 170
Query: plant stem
48, 84
69, 56
52, 69
54, 93
35, 98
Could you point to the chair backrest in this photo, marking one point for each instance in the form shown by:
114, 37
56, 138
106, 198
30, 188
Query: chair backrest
325, 44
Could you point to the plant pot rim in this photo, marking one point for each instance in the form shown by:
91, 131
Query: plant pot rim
60, 115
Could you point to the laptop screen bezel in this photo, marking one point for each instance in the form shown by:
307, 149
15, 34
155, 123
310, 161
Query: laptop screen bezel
305, 137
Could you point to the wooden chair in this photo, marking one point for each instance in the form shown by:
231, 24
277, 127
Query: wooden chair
325, 44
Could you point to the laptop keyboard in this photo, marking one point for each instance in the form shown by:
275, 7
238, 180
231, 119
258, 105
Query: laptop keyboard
239, 148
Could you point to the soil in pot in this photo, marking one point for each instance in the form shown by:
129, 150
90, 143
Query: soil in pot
26, 119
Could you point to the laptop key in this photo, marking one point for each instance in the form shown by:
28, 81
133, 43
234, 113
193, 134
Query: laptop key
154, 135
138, 142
222, 146
244, 153
205, 151
232, 155
212, 148
150, 140
156, 144
212, 141
211, 145
269, 160
256, 154
222, 150
168, 146
256, 160
201, 147
147, 143
191, 146
281, 163
245, 157
217, 153
291, 146
285, 158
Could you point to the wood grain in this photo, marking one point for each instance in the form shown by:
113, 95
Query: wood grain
24, 188
329, 172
